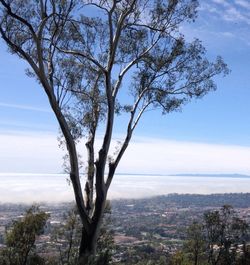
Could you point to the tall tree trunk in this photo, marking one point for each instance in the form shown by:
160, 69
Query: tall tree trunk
196, 257
90, 235
87, 245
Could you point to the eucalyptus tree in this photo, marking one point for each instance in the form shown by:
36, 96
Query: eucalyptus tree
86, 55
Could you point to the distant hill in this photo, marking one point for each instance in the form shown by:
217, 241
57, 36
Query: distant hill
237, 200
190, 175
213, 175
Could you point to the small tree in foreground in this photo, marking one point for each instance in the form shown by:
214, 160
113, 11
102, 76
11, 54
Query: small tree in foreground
20, 239
225, 234
95, 59
220, 239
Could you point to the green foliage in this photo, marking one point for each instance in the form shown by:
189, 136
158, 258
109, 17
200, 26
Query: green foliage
218, 239
67, 238
223, 231
195, 245
179, 258
21, 236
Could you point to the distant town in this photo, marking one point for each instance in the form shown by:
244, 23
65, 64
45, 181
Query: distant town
155, 226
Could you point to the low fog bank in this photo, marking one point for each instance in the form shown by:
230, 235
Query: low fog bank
55, 188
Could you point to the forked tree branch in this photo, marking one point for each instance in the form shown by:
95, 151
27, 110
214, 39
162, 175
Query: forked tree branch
84, 55
131, 64
17, 17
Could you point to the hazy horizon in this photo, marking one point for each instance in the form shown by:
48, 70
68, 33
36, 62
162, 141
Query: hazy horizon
35, 188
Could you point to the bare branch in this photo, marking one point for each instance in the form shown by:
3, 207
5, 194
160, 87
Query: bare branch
111, 31
140, 114
84, 55
98, 6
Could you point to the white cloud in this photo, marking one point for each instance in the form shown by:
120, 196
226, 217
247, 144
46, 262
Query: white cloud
222, 2
235, 15
228, 12
243, 3
30, 152
29, 188
168, 157
226, 34
23, 107
221, 19
38, 153
208, 7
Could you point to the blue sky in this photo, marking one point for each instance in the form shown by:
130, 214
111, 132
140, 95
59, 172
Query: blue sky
210, 135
